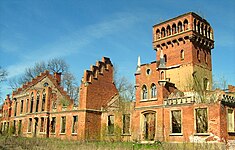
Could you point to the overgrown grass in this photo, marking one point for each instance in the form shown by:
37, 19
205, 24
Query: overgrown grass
19, 143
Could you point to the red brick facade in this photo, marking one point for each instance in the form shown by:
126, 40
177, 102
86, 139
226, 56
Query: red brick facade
168, 106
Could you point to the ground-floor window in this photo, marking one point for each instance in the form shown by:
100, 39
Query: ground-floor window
42, 127
230, 120
30, 125
111, 124
53, 123
149, 120
201, 120
126, 124
20, 127
75, 124
63, 124
176, 121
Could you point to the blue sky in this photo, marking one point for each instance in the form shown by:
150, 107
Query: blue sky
82, 31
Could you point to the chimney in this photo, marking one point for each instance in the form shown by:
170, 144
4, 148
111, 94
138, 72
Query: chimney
57, 77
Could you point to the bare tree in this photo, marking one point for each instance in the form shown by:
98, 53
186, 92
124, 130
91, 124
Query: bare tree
57, 65
54, 65
125, 88
3, 74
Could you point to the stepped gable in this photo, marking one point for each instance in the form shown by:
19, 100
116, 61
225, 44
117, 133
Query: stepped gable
39, 78
95, 71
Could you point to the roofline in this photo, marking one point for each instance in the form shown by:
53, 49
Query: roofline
185, 14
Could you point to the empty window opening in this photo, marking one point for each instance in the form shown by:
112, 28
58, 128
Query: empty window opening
43, 100
174, 31
205, 84
14, 127
53, 123
149, 126
110, 124
148, 71
201, 120
153, 91
158, 35
15, 111
182, 54
176, 121
198, 55
42, 125
31, 104
126, 124
63, 124
165, 57
30, 125
230, 120
163, 32
180, 27
27, 105
37, 101
168, 30
21, 106
185, 24
144, 92
20, 127
75, 124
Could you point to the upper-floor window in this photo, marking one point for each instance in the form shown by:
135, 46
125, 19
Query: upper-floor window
31, 103
144, 92
153, 91
37, 101
15, 111
180, 27
182, 54
230, 120
21, 106
43, 100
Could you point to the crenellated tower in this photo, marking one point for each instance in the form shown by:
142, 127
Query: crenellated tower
185, 44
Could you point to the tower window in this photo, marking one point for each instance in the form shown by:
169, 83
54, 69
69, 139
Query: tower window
168, 30
198, 56
165, 57
185, 24
158, 36
182, 54
148, 71
163, 32
180, 27
174, 29
144, 92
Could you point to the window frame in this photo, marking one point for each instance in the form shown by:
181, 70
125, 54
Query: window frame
195, 121
123, 124
171, 123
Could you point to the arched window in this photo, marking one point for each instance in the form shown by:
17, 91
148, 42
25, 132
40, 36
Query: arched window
31, 103
174, 29
165, 57
182, 54
195, 25
158, 35
198, 27
144, 92
43, 100
153, 91
206, 30
198, 55
180, 27
37, 101
168, 30
205, 84
202, 29
185, 24
209, 32
162, 75
163, 32
205, 57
